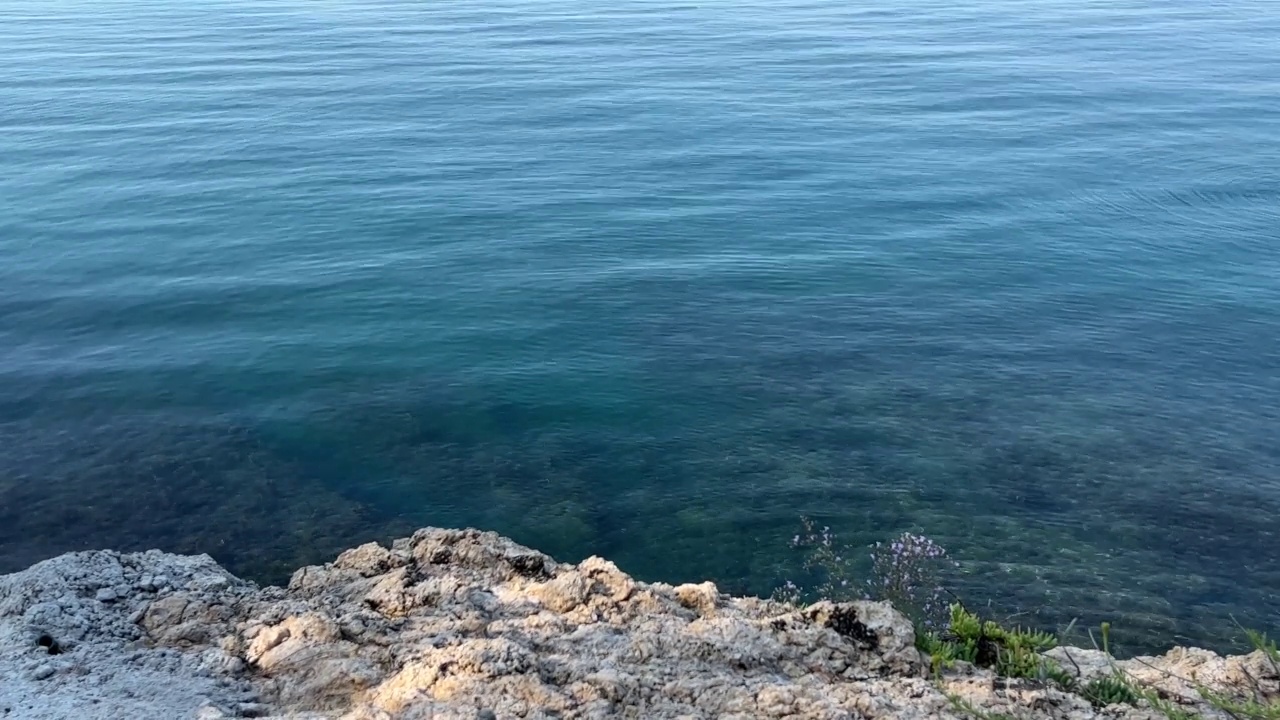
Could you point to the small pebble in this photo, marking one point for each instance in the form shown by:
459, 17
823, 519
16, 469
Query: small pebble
44, 672
106, 595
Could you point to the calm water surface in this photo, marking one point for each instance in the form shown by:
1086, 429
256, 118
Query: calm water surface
652, 280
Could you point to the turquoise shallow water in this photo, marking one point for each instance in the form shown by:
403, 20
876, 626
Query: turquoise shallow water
653, 280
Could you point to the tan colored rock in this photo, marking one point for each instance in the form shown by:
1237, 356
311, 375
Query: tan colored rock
312, 667
613, 583
702, 598
464, 624
369, 560
163, 614
563, 593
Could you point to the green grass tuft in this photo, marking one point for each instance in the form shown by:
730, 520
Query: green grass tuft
1010, 652
1017, 653
1109, 690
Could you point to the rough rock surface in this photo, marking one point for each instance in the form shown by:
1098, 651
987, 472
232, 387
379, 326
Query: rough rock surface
71, 645
462, 624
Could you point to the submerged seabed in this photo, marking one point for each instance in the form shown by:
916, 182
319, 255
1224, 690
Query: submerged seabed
1045, 529
653, 280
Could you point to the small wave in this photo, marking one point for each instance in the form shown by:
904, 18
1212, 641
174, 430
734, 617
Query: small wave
1206, 203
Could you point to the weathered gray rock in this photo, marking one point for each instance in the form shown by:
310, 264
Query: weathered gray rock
464, 624
70, 645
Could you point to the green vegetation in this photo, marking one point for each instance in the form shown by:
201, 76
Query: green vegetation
910, 570
1012, 652
1257, 706
1265, 646
1109, 690
1018, 653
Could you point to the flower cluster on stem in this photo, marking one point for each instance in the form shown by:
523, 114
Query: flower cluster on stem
906, 571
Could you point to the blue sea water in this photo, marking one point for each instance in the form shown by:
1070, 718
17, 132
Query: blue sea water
652, 280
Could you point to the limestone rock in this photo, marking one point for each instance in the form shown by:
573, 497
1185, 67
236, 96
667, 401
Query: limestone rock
72, 646
465, 624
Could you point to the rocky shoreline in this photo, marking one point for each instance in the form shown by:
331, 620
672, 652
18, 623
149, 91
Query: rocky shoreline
461, 624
